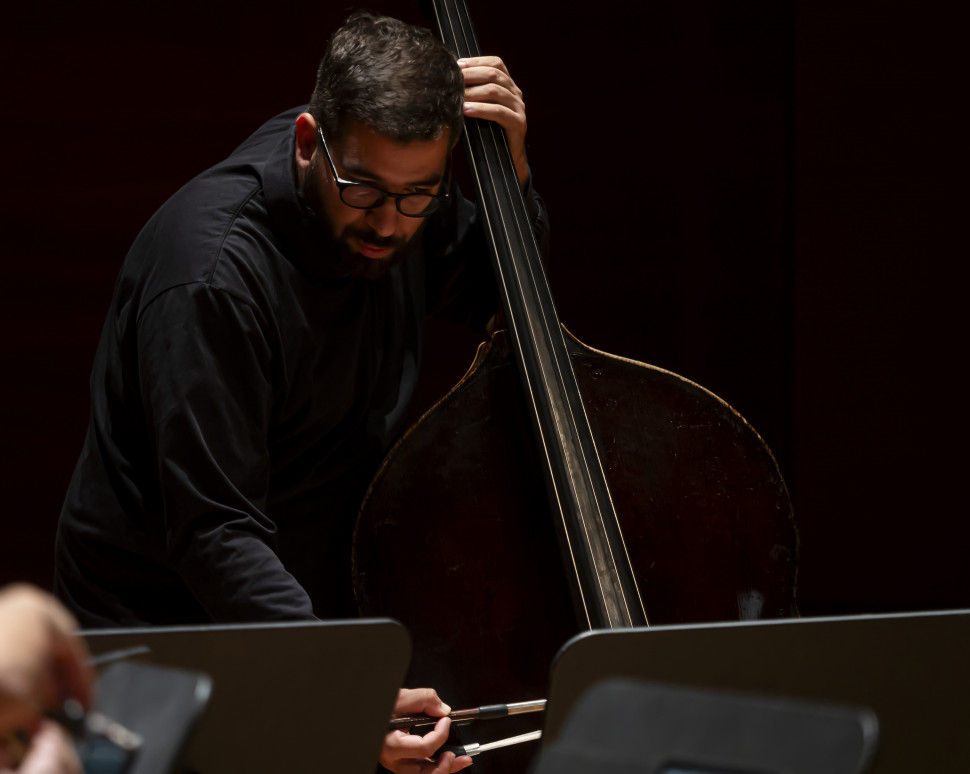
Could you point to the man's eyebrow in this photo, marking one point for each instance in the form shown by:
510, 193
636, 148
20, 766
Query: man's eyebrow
364, 174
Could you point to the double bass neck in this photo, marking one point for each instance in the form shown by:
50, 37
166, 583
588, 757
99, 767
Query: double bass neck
603, 584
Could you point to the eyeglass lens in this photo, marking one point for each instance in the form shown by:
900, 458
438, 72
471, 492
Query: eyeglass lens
364, 197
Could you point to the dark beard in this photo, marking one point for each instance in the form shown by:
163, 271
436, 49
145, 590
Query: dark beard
336, 257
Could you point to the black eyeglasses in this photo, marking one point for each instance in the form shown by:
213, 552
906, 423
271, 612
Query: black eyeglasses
364, 196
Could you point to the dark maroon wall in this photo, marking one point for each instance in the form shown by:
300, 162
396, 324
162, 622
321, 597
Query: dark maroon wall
879, 428
753, 195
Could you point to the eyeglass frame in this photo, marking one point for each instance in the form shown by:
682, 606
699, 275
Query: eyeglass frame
343, 185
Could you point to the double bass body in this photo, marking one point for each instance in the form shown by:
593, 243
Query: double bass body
557, 488
704, 512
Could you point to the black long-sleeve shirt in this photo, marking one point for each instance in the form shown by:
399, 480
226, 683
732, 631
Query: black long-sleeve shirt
241, 400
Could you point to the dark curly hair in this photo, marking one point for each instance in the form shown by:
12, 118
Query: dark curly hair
394, 78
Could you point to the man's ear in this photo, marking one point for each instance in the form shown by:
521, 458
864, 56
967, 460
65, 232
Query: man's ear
306, 141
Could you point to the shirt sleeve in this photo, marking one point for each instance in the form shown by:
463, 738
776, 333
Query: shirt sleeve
460, 279
204, 370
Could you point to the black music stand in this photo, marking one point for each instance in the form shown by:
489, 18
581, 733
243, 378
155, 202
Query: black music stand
911, 670
161, 705
630, 727
286, 697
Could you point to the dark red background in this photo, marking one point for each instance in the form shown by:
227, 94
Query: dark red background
760, 196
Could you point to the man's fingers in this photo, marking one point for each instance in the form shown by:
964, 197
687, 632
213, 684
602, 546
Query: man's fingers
493, 62
402, 746
478, 76
399, 744
426, 700
410, 746
447, 763
505, 117
491, 94
461, 762
498, 95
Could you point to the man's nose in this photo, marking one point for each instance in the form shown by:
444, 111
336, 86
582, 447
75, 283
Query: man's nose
383, 219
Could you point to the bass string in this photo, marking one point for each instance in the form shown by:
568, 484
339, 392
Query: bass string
493, 142
526, 277
460, 36
493, 134
464, 41
458, 28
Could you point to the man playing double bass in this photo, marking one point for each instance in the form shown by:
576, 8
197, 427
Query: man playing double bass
263, 344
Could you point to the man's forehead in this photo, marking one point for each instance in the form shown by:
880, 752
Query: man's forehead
346, 124
365, 153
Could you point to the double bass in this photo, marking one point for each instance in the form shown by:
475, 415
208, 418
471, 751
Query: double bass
558, 488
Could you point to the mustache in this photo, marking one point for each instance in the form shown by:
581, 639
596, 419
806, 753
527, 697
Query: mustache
371, 237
